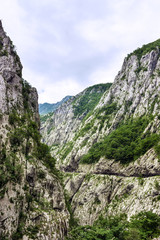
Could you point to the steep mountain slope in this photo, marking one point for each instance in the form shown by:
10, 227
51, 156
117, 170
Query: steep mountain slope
45, 108
32, 204
62, 126
112, 152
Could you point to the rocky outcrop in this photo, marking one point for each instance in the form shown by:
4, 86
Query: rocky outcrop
133, 94
146, 166
35, 207
61, 127
136, 86
108, 184
64, 123
100, 194
32, 203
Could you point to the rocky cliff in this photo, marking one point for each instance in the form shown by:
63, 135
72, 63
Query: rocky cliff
61, 127
110, 155
32, 204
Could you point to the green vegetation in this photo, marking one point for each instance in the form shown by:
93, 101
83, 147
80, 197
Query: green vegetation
31, 231
41, 174
23, 137
85, 129
89, 99
10, 168
145, 49
3, 53
104, 113
1, 45
73, 222
43, 154
156, 100
26, 90
13, 117
67, 150
108, 109
125, 144
143, 226
157, 150
140, 68
44, 118
84, 142
20, 230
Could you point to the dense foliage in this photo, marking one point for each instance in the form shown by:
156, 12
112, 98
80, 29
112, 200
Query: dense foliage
89, 99
124, 144
143, 226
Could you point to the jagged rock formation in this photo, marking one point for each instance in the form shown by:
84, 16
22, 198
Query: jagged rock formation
32, 204
93, 195
60, 128
108, 183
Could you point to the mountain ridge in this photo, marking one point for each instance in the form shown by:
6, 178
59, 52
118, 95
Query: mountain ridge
45, 108
131, 102
106, 141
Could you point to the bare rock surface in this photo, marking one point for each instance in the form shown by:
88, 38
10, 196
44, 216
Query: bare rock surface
109, 185
32, 203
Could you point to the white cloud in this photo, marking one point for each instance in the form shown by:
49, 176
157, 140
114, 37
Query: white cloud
102, 76
96, 32
58, 38
108, 73
55, 91
52, 91
126, 26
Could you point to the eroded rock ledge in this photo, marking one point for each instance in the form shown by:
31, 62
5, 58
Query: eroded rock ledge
146, 166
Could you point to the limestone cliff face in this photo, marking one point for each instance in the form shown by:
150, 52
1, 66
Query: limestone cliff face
135, 92
62, 125
61, 128
137, 85
32, 204
108, 184
112, 187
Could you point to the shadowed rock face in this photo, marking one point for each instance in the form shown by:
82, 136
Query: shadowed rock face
32, 203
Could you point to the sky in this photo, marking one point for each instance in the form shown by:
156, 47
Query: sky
66, 46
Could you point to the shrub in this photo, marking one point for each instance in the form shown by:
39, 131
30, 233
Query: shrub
20, 230
147, 223
43, 153
41, 174
26, 90
143, 226
16, 138
124, 144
